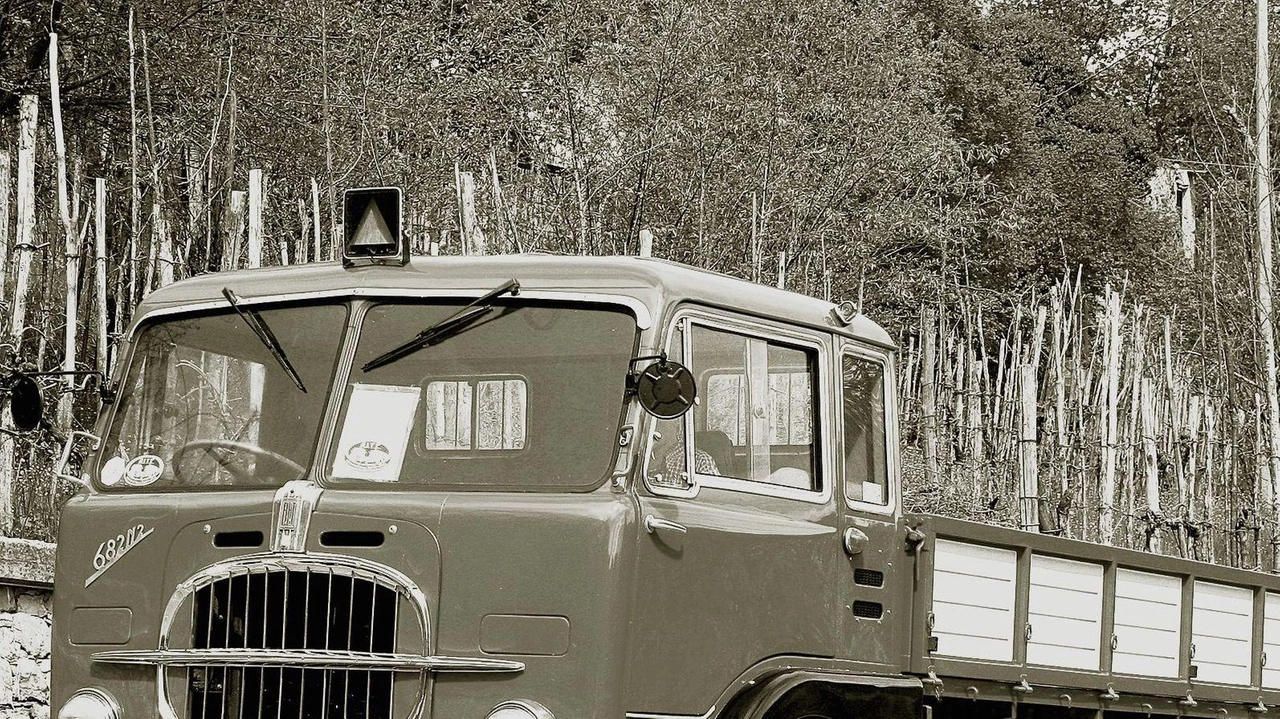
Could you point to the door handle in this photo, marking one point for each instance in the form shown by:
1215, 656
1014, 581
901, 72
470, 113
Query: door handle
653, 524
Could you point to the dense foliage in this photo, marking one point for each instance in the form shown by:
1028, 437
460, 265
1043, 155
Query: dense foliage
908, 146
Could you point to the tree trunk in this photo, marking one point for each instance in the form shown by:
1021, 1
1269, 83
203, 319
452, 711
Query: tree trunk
1266, 327
24, 247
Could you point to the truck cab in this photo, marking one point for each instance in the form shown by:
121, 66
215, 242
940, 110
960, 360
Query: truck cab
511, 487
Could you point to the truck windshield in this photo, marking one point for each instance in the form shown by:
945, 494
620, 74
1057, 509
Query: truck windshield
205, 404
528, 397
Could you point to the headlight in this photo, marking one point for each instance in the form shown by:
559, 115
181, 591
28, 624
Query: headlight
90, 704
518, 709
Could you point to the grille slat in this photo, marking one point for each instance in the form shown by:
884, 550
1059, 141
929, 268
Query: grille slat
272, 610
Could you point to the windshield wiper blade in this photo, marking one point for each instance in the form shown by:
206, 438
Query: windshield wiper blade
445, 328
264, 333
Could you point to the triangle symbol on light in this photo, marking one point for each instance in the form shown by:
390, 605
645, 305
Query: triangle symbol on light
372, 232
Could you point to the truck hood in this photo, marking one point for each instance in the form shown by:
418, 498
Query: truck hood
521, 589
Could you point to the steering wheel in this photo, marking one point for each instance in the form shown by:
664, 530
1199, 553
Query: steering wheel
209, 446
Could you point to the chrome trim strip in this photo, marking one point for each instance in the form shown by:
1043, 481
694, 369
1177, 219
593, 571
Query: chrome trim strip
308, 658
643, 715
644, 318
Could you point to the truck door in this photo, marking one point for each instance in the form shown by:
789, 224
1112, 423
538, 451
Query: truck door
738, 553
875, 591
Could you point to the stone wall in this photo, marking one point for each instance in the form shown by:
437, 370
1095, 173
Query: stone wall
26, 592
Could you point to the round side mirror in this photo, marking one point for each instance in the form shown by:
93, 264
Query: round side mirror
26, 403
666, 389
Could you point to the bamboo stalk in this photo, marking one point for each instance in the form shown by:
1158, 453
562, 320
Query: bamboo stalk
72, 242
100, 267
234, 226
6, 188
196, 203
928, 397
1192, 440
1131, 447
315, 220
1210, 441
472, 236
977, 441
135, 199
1111, 378
304, 233
162, 244
1029, 496
254, 248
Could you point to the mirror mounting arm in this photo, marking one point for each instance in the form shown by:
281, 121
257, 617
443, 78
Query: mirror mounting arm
60, 469
633, 380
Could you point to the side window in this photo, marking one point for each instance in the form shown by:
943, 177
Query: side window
866, 477
755, 418
476, 413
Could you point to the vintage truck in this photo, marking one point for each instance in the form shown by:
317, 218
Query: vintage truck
533, 486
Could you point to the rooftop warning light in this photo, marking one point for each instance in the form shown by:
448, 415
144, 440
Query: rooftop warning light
371, 228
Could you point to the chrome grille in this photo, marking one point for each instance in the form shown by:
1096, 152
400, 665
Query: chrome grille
300, 610
296, 635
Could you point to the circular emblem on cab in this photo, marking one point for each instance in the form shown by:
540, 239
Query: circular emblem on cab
368, 455
143, 470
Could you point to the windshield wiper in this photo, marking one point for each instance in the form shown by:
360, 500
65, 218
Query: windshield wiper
260, 328
445, 328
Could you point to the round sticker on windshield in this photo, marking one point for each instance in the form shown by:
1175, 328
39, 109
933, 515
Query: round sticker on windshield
368, 455
112, 471
143, 470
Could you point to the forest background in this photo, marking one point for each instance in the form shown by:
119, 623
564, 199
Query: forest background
1049, 203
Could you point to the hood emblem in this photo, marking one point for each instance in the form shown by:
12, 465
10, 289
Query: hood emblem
291, 515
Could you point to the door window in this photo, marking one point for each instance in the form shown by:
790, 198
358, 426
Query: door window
866, 476
755, 420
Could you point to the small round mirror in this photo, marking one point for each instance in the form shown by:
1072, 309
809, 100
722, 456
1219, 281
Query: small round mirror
666, 389
26, 404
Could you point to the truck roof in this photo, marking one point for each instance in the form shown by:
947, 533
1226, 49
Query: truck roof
660, 284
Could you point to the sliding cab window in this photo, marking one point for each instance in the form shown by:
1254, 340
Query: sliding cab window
484, 414
753, 426
866, 474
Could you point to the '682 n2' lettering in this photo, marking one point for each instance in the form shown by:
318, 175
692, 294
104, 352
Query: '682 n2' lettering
111, 550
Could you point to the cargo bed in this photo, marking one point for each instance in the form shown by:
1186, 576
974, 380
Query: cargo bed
1004, 615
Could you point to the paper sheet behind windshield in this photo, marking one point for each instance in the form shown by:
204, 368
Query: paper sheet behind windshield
375, 434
